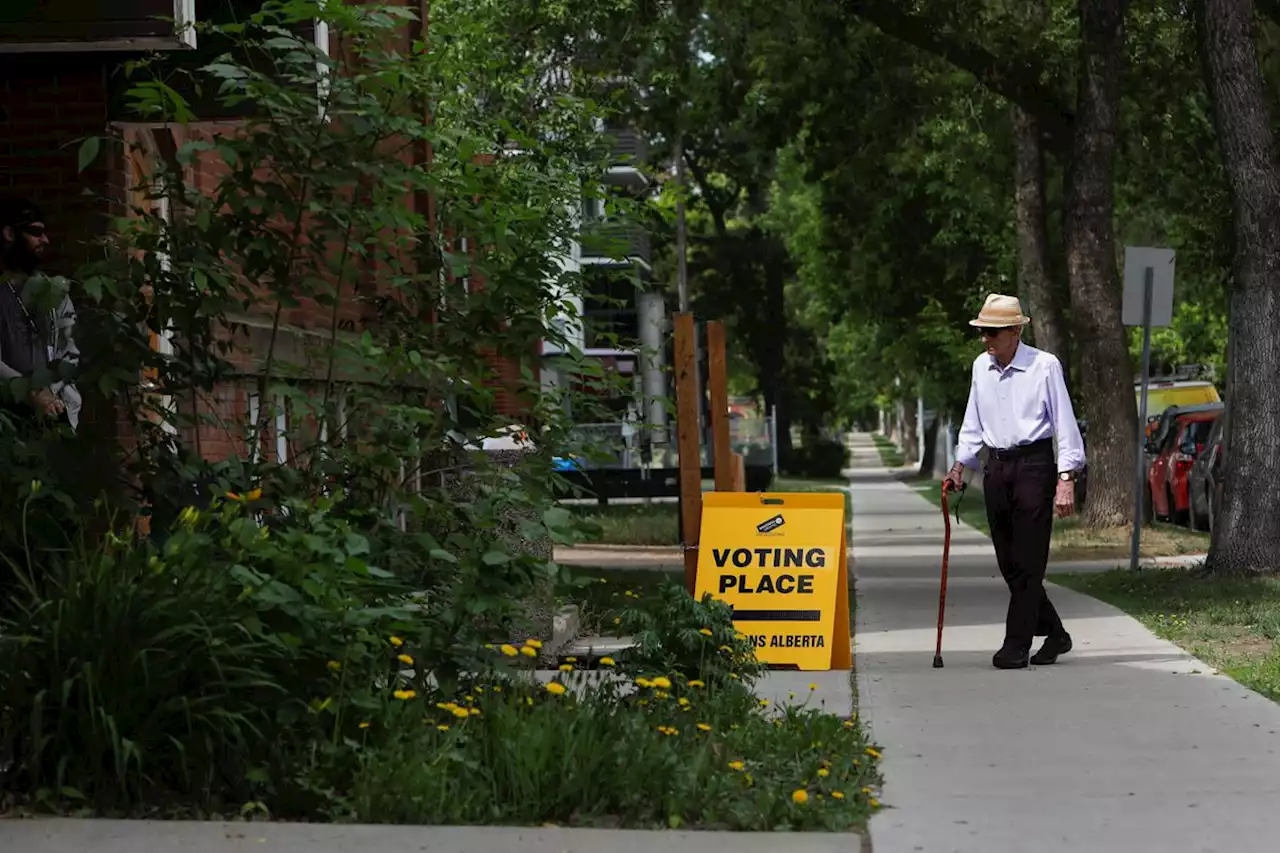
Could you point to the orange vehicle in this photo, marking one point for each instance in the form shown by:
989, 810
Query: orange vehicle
1163, 393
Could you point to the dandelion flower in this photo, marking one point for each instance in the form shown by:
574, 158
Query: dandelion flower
475, 712
684, 703
848, 724
662, 682
566, 667
737, 765
813, 686
764, 703
334, 665
397, 642
442, 728
405, 659
472, 698
866, 790
800, 796
253, 495
364, 725
726, 649
529, 651
706, 632
643, 682
536, 644
608, 661
555, 688
703, 727
697, 683
496, 689
509, 650
661, 694
571, 659
404, 694
460, 713
824, 772
837, 795
873, 752
874, 803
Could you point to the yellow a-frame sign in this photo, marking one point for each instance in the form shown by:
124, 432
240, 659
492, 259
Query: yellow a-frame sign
780, 561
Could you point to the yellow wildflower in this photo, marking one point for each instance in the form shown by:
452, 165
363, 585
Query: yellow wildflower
737, 765
662, 682
824, 772
661, 694
848, 724
617, 620
697, 683
813, 686
873, 752
397, 642
734, 676
529, 651
571, 659
404, 694
460, 713
555, 688
866, 790
684, 702
472, 698
566, 667
726, 649
800, 796
509, 650
608, 661
703, 727
747, 778
442, 728
874, 803
764, 703
669, 731
253, 495
334, 665
837, 795
364, 725
475, 712
405, 659
643, 682
496, 689
537, 644
706, 632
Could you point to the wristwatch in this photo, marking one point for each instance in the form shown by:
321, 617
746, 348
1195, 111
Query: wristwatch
1067, 476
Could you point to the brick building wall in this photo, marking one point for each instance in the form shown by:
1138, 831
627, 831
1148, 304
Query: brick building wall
48, 102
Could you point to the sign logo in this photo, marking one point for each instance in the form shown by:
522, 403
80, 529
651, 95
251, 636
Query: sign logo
771, 524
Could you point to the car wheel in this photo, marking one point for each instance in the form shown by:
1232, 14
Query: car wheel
1177, 516
1200, 520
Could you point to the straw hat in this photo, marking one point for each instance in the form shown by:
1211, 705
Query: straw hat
1000, 311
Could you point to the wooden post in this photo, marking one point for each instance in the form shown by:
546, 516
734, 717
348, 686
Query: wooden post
688, 444
739, 473
718, 394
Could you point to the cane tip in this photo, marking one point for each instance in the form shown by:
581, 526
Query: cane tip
937, 661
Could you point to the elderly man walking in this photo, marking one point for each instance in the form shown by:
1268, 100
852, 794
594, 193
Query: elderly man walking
1018, 405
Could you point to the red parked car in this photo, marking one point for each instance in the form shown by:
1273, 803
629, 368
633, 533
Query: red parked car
1170, 472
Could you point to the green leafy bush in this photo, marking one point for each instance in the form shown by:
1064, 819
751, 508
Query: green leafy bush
821, 458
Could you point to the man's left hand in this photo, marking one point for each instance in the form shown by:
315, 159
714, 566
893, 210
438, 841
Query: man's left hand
1064, 499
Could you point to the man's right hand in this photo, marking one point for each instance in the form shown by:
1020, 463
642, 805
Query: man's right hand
45, 403
954, 481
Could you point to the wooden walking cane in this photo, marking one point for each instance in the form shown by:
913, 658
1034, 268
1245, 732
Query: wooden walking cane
946, 555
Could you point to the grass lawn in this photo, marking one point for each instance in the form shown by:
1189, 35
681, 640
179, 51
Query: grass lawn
890, 455
649, 524
1229, 623
1071, 541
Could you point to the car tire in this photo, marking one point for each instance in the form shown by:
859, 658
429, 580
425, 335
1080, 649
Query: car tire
1177, 516
1200, 521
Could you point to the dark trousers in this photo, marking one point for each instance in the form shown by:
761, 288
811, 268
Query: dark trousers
1019, 488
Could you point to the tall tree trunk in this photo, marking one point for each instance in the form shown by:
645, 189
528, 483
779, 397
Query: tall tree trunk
1047, 328
910, 439
1106, 374
1246, 536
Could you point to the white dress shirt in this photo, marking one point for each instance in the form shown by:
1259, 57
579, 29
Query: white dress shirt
1019, 404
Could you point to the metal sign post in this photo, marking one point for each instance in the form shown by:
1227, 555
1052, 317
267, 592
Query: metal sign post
1148, 301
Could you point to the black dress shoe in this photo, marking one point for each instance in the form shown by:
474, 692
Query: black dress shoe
1010, 658
1053, 646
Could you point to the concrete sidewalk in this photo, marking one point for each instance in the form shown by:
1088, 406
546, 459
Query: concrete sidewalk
1127, 744
119, 836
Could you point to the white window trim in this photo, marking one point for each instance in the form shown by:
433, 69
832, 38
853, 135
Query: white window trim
282, 430
320, 36
255, 445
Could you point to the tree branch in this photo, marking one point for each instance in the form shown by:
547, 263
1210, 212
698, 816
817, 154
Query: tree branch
1015, 79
